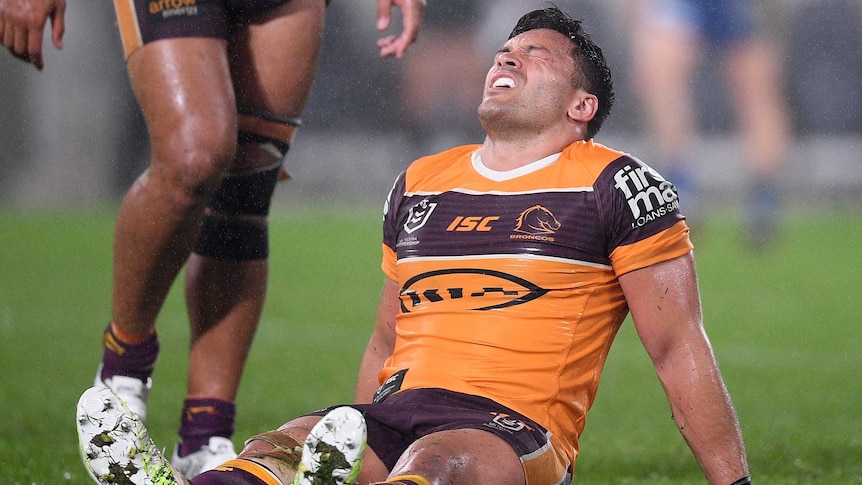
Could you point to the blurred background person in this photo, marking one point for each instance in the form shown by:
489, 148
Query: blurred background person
669, 40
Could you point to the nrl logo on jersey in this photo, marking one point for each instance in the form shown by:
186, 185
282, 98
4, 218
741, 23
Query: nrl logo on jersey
418, 215
505, 422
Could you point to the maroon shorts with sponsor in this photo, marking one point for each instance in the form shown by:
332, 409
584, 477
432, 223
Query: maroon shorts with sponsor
144, 21
402, 418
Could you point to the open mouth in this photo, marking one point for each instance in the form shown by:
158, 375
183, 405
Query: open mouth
504, 82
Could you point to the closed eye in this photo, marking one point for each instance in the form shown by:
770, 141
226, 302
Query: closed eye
538, 52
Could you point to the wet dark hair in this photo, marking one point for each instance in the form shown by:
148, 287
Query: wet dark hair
591, 73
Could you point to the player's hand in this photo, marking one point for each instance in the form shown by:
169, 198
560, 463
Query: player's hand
22, 23
412, 12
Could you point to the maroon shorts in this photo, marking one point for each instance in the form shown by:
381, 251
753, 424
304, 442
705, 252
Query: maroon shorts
402, 418
144, 21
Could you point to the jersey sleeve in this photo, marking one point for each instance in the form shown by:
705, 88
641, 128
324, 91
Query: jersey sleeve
640, 214
390, 226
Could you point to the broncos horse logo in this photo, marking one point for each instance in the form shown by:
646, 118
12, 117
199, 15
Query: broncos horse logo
537, 220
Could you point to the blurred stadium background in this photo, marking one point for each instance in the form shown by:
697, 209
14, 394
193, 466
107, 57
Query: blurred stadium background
72, 134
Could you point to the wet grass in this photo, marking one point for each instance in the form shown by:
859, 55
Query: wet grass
784, 323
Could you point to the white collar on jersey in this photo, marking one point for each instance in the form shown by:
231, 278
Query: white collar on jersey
497, 176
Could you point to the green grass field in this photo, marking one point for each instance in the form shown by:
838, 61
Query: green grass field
785, 326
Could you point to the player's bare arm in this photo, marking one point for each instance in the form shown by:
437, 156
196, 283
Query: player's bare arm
380, 344
665, 306
22, 23
412, 12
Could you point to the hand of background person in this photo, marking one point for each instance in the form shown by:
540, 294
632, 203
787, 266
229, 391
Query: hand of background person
22, 23
412, 12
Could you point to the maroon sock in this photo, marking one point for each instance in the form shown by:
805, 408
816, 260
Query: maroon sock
202, 419
122, 359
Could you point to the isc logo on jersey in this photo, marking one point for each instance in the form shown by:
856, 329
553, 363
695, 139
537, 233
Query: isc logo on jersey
649, 196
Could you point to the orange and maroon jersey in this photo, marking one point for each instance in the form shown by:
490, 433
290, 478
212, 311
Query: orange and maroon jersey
508, 280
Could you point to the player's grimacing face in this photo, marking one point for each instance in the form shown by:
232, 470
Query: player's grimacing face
532, 69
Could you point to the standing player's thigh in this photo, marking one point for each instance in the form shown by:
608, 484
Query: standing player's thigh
463, 456
184, 88
273, 59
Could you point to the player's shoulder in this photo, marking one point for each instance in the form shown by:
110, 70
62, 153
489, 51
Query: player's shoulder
593, 156
439, 163
446, 157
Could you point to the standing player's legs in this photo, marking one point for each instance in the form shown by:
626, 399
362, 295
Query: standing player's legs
272, 62
184, 89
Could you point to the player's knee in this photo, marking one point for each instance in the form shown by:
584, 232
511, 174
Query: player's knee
190, 177
430, 457
245, 194
235, 227
264, 138
233, 238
